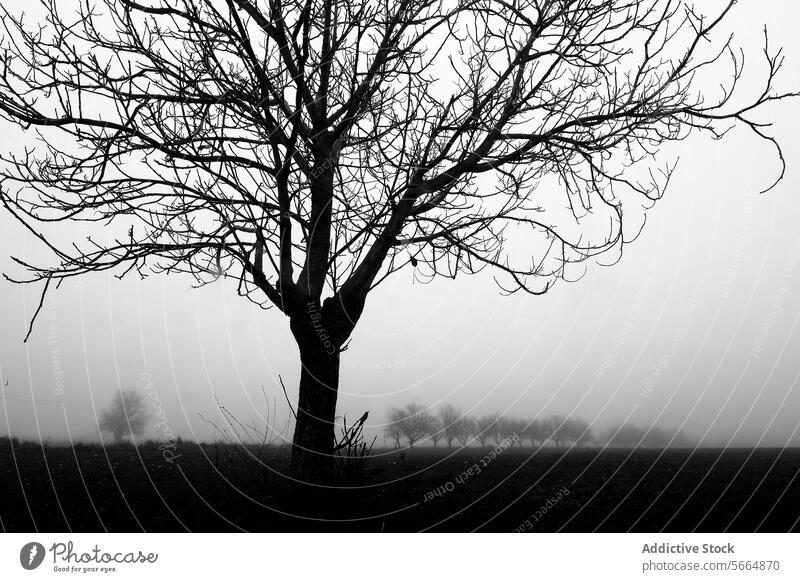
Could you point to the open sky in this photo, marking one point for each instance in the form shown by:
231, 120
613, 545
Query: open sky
696, 327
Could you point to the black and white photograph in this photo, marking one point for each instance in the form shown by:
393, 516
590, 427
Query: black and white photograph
360, 268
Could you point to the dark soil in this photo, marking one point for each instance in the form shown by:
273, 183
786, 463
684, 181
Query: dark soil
225, 488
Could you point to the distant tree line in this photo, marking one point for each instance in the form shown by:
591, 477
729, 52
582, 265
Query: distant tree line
632, 435
415, 423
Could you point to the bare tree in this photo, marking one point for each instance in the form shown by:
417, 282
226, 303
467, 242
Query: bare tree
450, 418
415, 423
554, 428
436, 431
625, 435
584, 433
536, 432
393, 430
513, 427
497, 430
309, 150
466, 430
487, 427
127, 416
570, 430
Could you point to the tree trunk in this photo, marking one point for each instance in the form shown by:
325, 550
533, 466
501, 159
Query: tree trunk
312, 447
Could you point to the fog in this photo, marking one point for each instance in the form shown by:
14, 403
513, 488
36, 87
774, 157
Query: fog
695, 328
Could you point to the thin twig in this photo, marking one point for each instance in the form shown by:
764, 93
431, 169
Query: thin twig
287, 397
38, 309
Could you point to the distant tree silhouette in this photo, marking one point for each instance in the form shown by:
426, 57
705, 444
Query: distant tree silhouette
625, 435
585, 434
663, 437
127, 415
467, 427
395, 417
451, 420
488, 428
554, 428
436, 431
536, 432
307, 151
570, 430
681, 439
631, 435
510, 427
413, 422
